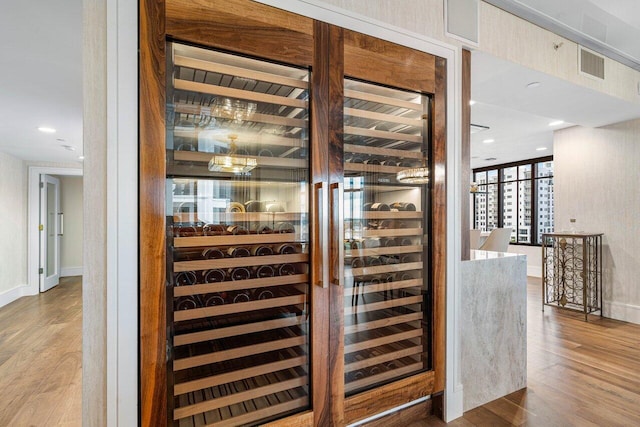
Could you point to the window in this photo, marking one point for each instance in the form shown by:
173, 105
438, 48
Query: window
527, 185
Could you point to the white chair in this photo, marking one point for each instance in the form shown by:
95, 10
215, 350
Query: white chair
474, 238
498, 240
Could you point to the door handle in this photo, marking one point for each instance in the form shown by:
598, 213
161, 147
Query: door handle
337, 235
319, 232
61, 222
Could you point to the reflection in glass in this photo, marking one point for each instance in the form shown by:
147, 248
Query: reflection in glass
51, 230
386, 259
237, 209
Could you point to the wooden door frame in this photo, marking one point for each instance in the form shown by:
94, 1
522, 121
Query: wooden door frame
150, 16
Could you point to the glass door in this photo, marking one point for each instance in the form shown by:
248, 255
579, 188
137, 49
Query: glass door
237, 195
386, 292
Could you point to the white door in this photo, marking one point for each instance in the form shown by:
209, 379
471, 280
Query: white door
51, 228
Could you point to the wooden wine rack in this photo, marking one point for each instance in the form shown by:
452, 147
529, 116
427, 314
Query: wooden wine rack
237, 363
384, 336
385, 327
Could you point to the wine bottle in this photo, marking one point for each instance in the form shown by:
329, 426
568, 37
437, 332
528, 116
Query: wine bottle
213, 299
240, 273
212, 253
372, 243
185, 303
264, 271
185, 231
405, 241
403, 206
377, 206
261, 228
409, 258
214, 276
355, 159
238, 252
185, 278
213, 229
388, 242
261, 250
286, 270
373, 261
372, 161
241, 296
237, 230
261, 293
357, 263
390, 259
254, 206
284, 227
265, 152
286, 249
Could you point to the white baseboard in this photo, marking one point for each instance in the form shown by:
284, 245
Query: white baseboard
71, 271
621, 311
7, 297
534, 271
453, 403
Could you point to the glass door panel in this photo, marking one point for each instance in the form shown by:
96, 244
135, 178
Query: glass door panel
237, 204
387, 290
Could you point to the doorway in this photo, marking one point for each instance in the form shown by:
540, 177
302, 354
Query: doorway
36, 257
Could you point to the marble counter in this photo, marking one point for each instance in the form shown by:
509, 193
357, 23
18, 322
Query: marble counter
494, 326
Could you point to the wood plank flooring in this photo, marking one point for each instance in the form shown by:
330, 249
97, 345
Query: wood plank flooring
41, 356
579, 374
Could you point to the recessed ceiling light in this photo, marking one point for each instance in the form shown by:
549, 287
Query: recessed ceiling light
46, 129
488, 141
60, 139
533, 85
541, 148
556, 122
472, 102
80, 157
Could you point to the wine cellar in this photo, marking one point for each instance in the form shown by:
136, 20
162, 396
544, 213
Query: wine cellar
292, 229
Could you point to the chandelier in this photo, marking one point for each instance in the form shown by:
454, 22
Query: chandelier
231, 162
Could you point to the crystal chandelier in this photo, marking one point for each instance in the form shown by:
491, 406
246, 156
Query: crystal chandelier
418, 175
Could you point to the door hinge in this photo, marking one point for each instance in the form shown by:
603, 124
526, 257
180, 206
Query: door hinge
40, 271
42, 185
41, 227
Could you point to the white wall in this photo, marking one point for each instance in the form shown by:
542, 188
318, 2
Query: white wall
596, 173
71, 242
13, 217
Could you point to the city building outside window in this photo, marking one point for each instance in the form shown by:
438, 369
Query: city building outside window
527, 185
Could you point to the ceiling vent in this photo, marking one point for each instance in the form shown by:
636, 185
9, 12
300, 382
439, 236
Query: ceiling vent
590, 63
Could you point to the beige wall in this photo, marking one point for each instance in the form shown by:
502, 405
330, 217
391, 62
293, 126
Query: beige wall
504, 36
596, 182
13, 216
94, 291
71, 242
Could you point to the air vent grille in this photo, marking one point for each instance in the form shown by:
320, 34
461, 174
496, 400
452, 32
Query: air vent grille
590, 63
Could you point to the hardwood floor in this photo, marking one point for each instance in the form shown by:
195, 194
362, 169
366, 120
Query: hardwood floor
41, 356
579, 374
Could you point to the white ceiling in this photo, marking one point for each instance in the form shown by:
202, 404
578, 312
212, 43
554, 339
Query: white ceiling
519, 117
41, 78
41, 85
